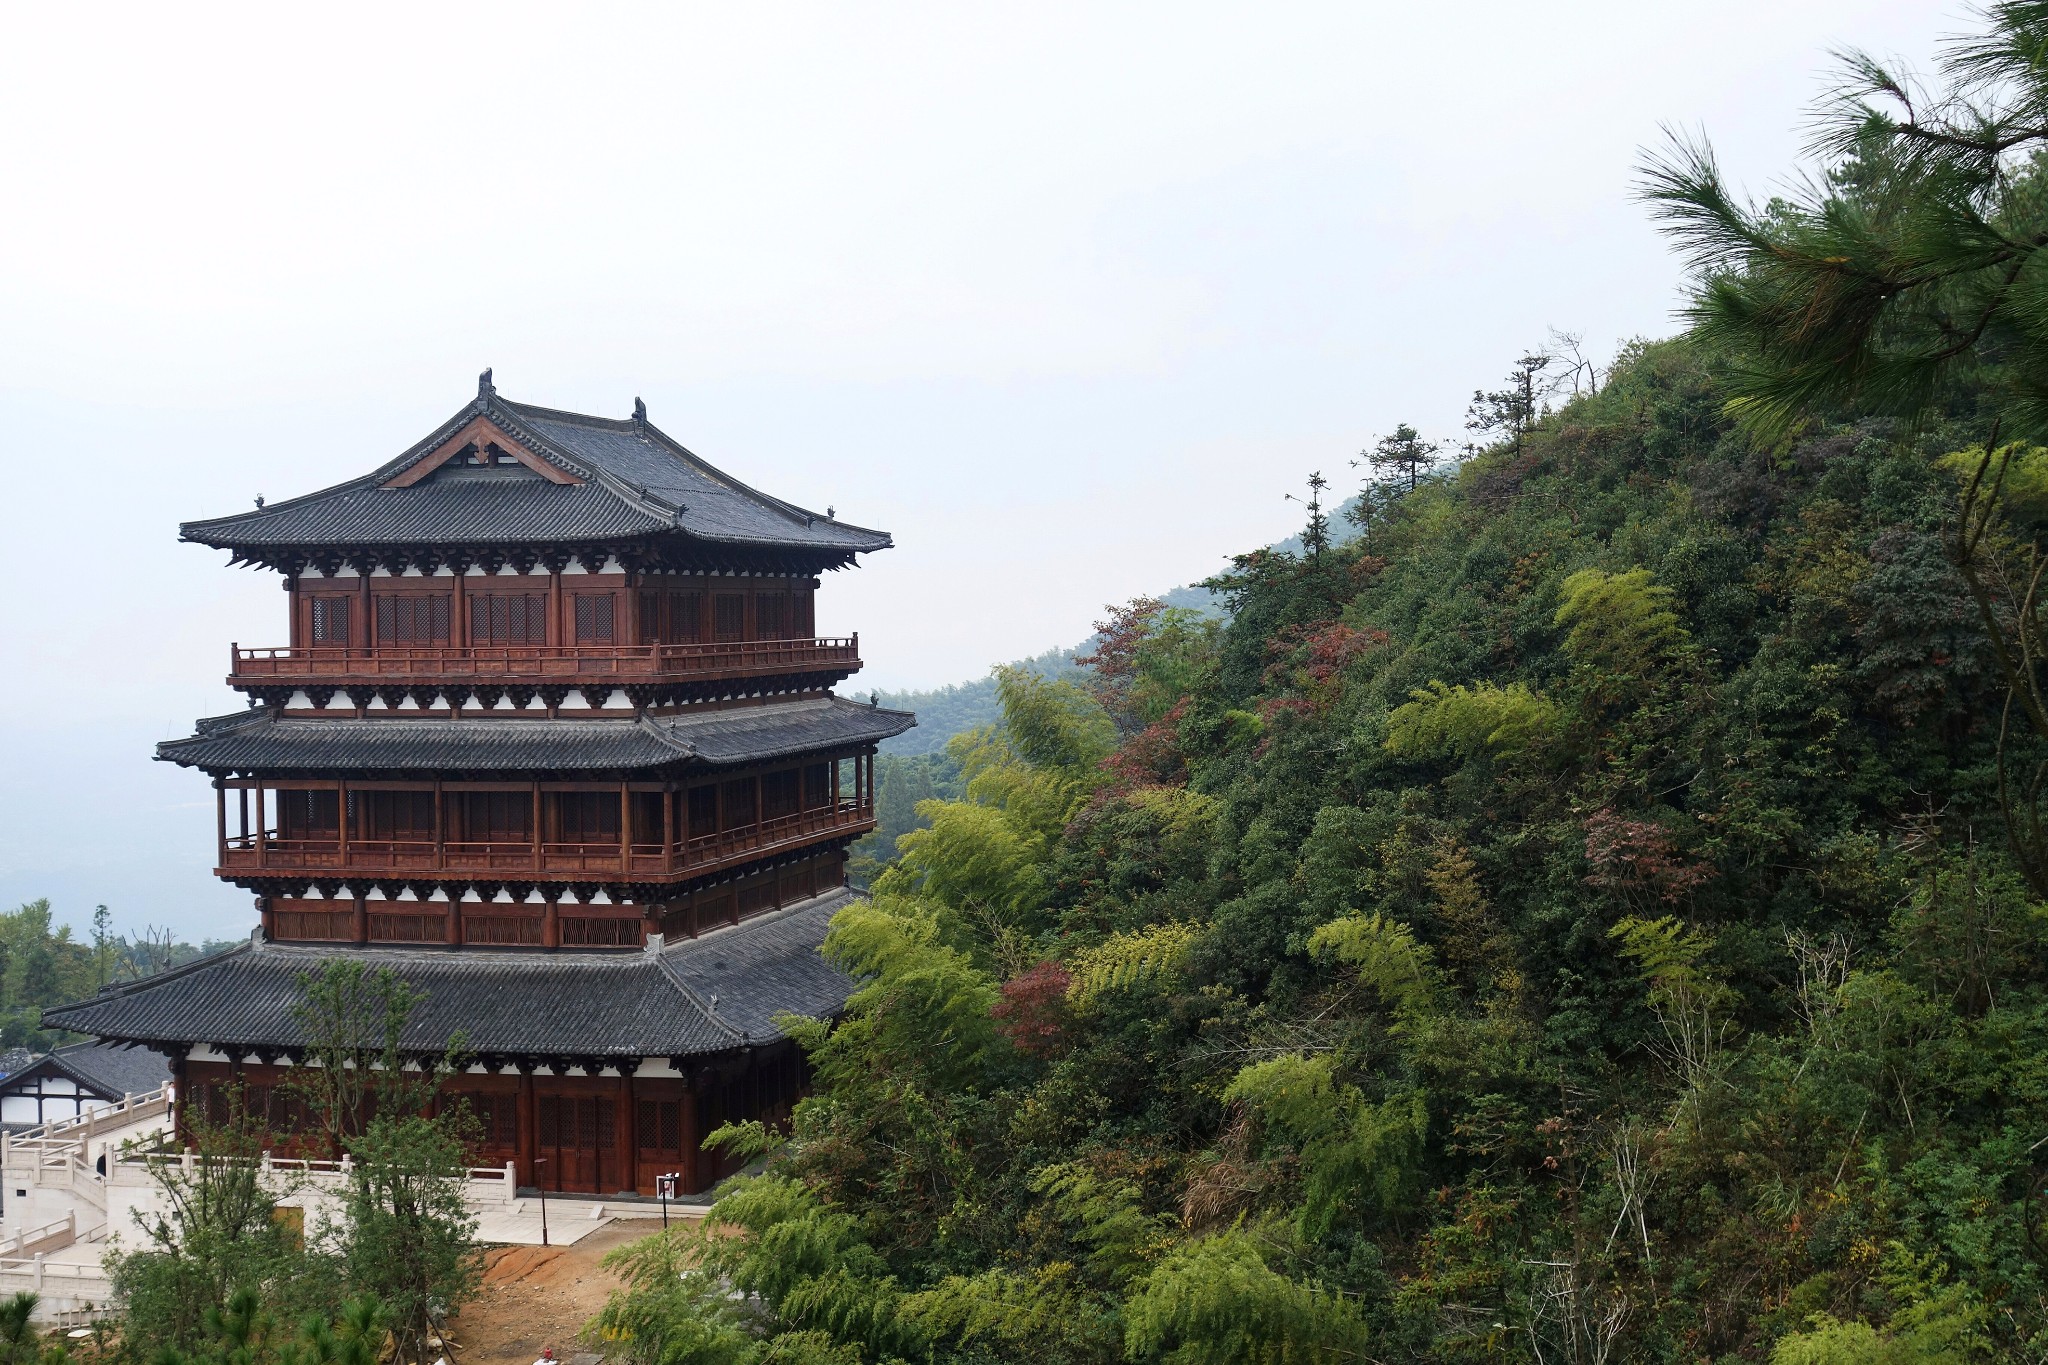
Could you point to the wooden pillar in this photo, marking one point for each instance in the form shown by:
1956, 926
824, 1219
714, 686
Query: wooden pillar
551, 924
668, 828
871, 784
220, 819
268, 918
692, 1155
262, 839
528, 1116
535, 831
629, 1147
361, 925
458, 608
555, 632
341, 821
454, 921
440, 827
625, 828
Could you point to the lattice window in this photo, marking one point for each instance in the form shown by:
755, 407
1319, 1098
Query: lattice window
497, 1116
402, 816
408, 928
702, 805
592, 931
817, 786
412, 618
594, 618
330, 620
496, 817
660, 1130
736, 799
507, 618
309, 814
685, 618
586, 817
781, 794
771, 615
728, 616
505, 930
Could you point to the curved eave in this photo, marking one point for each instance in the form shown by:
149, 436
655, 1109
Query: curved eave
636, 512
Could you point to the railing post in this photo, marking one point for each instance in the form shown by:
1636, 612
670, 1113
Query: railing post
511, 1182
39, 1271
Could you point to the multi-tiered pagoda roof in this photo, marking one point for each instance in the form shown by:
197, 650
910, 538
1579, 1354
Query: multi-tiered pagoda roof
552, 737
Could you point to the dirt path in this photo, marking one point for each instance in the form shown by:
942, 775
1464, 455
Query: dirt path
534, 1297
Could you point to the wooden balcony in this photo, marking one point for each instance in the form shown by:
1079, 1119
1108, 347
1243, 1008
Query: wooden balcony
560, 665
254, 854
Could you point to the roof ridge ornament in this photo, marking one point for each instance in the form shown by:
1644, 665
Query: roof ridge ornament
639, 413
485, 390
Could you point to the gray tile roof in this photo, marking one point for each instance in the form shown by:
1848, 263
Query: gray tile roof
523, 1002
637, 482
259, 740
111, 1069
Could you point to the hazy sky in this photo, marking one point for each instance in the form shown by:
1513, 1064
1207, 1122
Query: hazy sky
1066, 297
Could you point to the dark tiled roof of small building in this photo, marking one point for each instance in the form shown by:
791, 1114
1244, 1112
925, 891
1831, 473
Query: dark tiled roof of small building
259, 740
690, 998
111, 1069
637, 481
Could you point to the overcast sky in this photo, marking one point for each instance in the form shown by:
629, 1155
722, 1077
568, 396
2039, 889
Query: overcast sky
1066, 297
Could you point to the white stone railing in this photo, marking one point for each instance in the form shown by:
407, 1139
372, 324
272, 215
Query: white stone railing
67, 1132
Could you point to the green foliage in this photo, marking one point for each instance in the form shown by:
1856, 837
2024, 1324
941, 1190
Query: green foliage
1621, 624
1217, 1301
1664, 991
1468, 720
1127, 959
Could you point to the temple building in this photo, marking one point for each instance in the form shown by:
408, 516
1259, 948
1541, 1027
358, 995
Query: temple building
554, 738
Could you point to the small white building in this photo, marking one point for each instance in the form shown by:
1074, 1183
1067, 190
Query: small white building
77, 1080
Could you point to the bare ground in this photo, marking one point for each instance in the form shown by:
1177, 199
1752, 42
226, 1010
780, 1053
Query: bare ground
536, 1297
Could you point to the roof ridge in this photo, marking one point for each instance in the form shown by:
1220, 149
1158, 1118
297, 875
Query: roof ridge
114, 990
564, 415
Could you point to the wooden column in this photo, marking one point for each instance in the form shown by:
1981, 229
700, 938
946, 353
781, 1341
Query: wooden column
458, 607
551, 924
454, 921
220, 808
692, 1154
535, 831
625, 828
361, 925
440, 827
629, 1147
262, 839
341, 821
555, 632
668, 828
528, 1114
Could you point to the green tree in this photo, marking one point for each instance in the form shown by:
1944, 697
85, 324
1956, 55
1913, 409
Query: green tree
1403, 456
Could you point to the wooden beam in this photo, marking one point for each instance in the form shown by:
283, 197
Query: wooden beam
481, 432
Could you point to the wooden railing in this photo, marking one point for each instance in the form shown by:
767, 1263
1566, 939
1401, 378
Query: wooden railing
268, 852
566, 663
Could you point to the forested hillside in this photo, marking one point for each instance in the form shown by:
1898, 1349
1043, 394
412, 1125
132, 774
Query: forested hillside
1596, 913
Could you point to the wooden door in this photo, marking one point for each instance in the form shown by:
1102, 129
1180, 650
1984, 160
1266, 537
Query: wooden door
578, 1137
